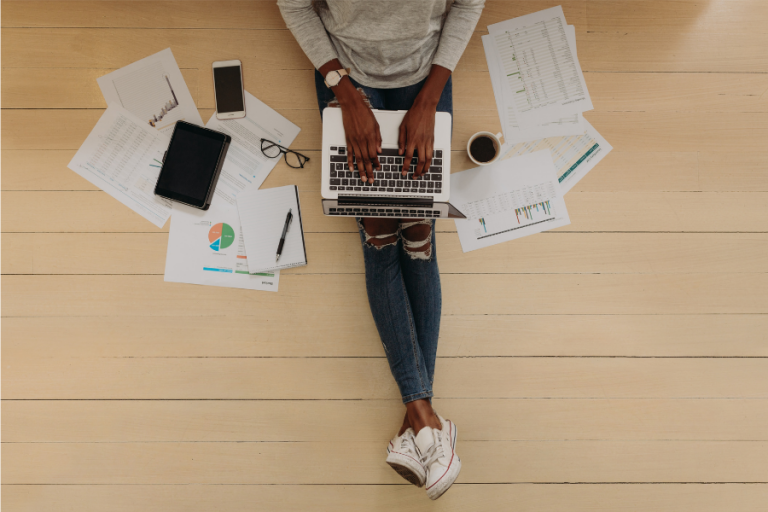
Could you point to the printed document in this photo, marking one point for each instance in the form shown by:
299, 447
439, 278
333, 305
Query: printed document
153, 90
541, 72
245, 165
122, 156
206, 247
510, 199
573, 156
513, 133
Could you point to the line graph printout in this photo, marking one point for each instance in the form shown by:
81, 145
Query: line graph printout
573, 156
122, 156
541, 72
513, 132
153, 90
508, 200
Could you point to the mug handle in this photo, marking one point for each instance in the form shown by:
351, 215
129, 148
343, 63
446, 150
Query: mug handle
499, 135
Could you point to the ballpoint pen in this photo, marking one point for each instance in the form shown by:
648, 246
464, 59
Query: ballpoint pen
288, 219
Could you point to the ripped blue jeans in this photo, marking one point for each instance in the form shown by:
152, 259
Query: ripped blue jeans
403, 282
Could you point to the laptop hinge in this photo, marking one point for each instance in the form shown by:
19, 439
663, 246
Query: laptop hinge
423, 202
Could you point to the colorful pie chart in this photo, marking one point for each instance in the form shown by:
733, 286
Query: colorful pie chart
221, 236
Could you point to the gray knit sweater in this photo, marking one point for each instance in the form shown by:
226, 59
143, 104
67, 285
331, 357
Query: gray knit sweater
386, 43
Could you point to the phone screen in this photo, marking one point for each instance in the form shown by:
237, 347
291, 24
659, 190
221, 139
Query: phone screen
229, 91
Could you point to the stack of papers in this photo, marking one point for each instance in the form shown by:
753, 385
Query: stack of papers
540, 96
124, 152
537, 80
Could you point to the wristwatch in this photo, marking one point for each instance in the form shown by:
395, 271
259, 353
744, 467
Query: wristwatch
333, 78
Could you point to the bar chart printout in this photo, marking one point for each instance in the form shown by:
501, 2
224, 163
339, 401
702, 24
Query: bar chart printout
514, 198
541, 72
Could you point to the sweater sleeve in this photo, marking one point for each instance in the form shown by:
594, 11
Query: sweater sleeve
308, 29
457, 30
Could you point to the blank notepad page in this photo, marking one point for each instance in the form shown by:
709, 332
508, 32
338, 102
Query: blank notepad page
262, 217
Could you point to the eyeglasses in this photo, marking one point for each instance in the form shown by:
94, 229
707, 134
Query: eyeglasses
292, 158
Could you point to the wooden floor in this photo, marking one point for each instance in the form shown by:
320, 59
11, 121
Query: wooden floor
617, 364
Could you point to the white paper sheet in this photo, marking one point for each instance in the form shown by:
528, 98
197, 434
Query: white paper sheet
510, 199
245, 165
153, 90
513, 133
542, 75
262, 215
573, 156
122, 156
206, 247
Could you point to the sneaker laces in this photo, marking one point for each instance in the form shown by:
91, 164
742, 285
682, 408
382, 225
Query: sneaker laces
435, 451
405, 443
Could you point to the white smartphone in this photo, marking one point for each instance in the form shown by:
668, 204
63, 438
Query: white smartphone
228, 89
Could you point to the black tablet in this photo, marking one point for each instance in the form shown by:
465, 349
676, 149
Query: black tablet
192, 164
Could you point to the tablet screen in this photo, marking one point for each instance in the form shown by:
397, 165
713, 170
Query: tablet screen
190, 164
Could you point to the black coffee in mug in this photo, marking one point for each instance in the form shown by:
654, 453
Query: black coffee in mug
483, 149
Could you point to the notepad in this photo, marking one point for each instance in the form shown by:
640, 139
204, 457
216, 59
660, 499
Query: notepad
262, 217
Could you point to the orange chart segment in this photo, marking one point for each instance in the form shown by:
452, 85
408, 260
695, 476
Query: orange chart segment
221, 236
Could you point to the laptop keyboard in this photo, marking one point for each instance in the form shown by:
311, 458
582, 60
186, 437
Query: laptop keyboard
388, 178
372, 211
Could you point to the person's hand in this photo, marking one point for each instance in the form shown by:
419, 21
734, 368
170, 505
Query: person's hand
361, 129
417, 131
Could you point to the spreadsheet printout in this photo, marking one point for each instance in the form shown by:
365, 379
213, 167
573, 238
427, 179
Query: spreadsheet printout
513, 133
510, 199
573, 156
541, 73
122, 156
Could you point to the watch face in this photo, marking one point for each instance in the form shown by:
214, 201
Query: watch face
333, 78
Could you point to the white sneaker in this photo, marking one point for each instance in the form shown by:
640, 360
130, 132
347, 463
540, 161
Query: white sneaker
403, 457
437, 449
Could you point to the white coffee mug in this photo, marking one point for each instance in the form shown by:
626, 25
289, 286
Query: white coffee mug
496, 146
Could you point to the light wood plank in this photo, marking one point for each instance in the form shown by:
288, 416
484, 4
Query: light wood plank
329, 463
406, 498
674, 92
339, 253
295, 89
36, 377
733, 171
626, 131
599, 211
682, 131
672, 51
26, 169
343, 295
109, 48
676, 16
254, 15
68, 87
460, 336
57, 421
41, 128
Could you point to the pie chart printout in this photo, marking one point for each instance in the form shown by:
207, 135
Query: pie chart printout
221, 236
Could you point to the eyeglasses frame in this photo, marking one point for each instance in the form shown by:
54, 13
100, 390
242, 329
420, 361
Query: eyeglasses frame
303, 159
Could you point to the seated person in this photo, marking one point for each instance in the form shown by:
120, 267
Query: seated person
400, 55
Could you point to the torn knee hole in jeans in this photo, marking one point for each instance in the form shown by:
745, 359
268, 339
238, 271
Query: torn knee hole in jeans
378, 241
417, 239
335, 102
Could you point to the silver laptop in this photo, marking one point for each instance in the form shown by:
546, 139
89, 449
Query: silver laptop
391, 194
